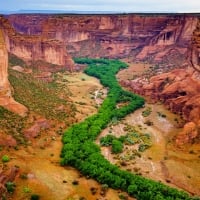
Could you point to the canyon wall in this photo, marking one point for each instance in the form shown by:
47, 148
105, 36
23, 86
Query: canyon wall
33, 48
194, 50
4, 84
178, 89
6, 99
145, 37
30, 49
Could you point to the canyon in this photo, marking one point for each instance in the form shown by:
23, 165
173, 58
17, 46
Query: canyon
170, 43
168, 40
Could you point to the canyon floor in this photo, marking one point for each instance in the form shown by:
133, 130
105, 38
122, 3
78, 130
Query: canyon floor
38, 154
38, 157
164, 161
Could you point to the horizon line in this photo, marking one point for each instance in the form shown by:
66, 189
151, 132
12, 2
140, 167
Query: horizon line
35, 11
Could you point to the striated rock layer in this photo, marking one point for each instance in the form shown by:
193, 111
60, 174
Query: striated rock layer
29, 48
194, 52
34, 48
179, 90
6, 99
149, 37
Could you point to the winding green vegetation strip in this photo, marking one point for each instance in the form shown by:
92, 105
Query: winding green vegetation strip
80, 151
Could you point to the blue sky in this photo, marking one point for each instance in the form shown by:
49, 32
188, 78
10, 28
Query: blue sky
103, 5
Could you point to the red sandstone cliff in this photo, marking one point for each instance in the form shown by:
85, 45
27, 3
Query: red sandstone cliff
34, 48
194, 52
6, 99
178, 89
155, 38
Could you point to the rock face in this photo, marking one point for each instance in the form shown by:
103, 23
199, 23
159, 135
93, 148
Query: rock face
189, 134
7, 176
4, 84
34, 130
155, 38
179, 90
7, 140
6, 99
34, 48
195, 48
29, 48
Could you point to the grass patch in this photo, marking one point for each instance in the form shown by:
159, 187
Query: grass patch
5, 158
147, 112
39, 97
12, 124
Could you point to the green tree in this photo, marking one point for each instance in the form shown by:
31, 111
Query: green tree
117, 146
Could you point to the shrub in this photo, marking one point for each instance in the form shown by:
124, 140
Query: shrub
24, 176
148, 123
161, 114
26, 190
5, 158
35, 197
117, 146
147, 112
107, 140
143, 147
10, 186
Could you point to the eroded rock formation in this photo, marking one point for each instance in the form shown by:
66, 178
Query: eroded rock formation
33, 131
29, 48
155, 38
179, 90
34, 48
194, 51
5, 177
6, 99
